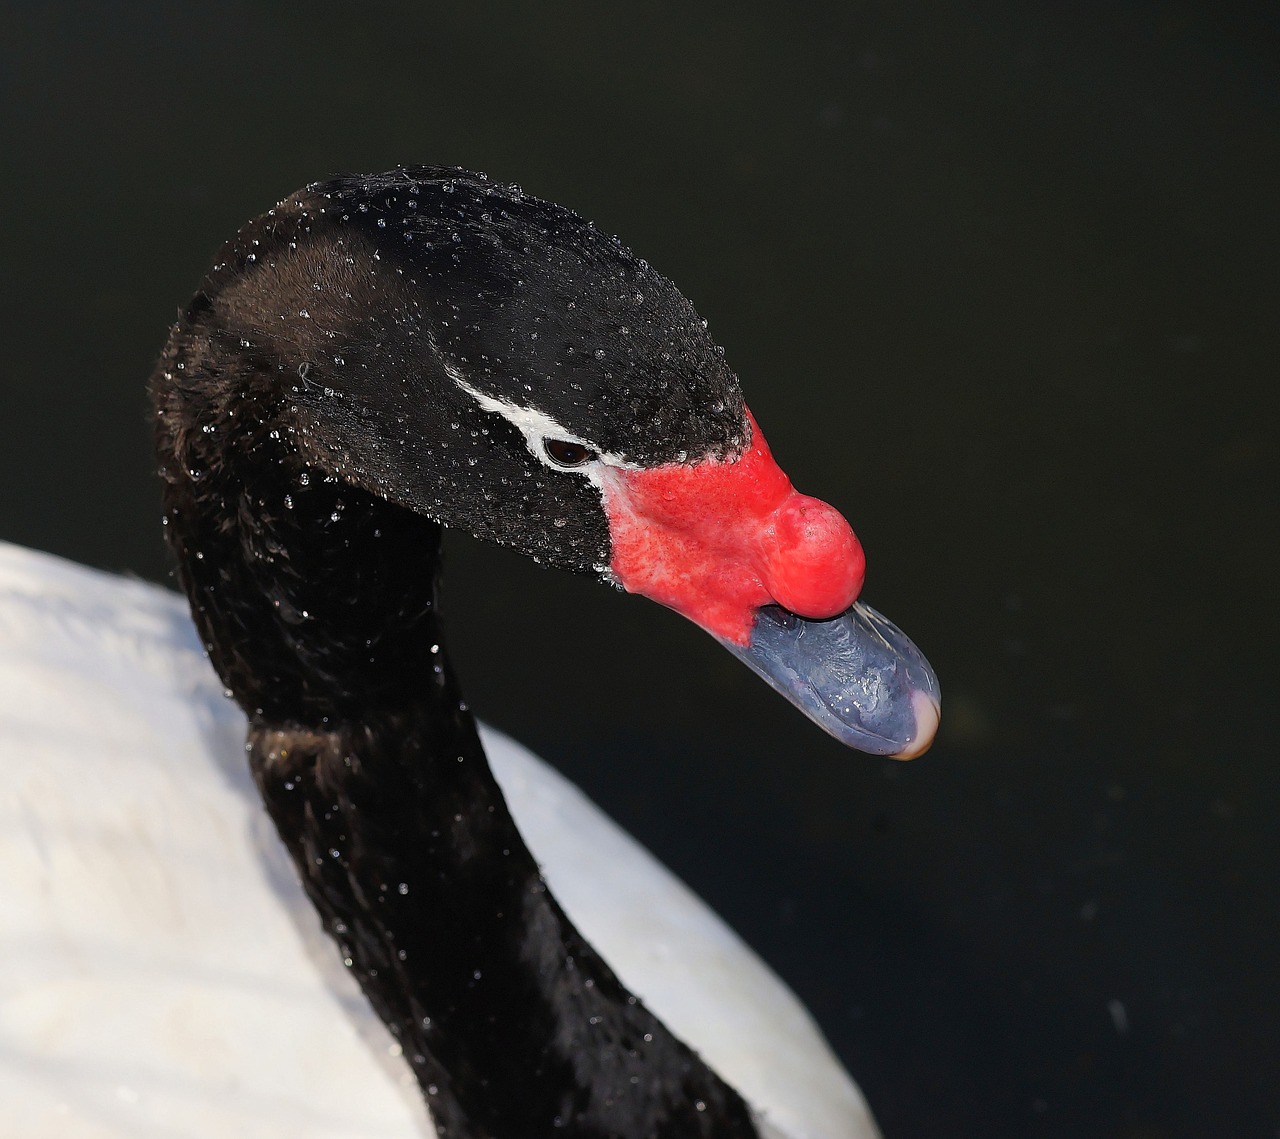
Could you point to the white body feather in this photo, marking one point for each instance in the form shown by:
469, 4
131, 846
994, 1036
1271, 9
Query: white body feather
162, 973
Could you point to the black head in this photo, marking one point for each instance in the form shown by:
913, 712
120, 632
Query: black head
380, 354
377, 321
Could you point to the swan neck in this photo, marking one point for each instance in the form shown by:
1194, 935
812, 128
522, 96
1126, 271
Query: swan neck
316, 600
511, 1022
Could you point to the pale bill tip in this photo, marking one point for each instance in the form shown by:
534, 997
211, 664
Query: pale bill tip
928, 714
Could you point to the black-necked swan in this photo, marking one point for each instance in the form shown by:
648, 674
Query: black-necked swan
372, 360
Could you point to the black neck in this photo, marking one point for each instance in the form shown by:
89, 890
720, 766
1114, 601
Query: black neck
317, 602
513, 1024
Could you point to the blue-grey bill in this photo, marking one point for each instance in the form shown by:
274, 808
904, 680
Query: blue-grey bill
857, 675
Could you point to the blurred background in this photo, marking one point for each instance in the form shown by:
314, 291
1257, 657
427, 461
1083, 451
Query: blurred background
1001, 282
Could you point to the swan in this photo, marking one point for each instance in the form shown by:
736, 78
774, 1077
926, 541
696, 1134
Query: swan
374, 359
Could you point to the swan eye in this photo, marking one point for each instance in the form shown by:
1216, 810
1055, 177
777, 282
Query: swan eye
566, 453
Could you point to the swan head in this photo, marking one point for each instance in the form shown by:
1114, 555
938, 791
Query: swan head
456, 350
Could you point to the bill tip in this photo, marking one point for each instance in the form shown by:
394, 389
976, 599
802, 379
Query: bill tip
928, 713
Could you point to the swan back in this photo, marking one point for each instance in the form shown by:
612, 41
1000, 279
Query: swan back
165, 973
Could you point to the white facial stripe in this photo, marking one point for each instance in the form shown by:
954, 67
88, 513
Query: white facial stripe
534, 425
537, 426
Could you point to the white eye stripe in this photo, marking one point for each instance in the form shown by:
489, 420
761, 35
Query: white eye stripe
533, 424
537, 427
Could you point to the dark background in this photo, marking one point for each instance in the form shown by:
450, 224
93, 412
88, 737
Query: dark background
1000, 280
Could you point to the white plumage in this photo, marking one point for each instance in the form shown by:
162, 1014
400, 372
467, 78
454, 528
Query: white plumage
163, 973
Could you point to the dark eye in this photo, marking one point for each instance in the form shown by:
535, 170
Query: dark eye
565, 453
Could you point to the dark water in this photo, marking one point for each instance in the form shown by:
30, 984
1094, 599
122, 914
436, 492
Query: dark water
1000, 282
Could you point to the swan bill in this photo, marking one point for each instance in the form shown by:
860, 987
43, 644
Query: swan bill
857, 676
774, 575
